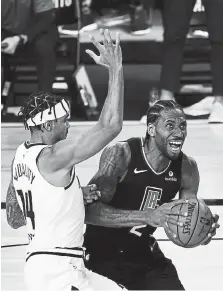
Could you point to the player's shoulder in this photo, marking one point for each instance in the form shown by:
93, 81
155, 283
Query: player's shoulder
119, 150
188, 164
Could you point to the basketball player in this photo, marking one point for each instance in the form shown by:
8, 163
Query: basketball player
134, 177
45, 192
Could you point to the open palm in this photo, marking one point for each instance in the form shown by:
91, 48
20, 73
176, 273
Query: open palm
110, 54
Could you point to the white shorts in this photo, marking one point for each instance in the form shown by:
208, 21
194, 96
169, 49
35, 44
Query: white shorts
52, 272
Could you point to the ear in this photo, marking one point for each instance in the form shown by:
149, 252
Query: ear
151, 129
48, 126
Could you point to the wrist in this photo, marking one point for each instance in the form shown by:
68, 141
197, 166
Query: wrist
115, 70
149, 217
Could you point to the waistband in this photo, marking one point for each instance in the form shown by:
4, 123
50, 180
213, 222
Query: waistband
76, 252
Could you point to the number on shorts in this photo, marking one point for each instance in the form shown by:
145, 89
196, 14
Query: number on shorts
135, 229
27, 205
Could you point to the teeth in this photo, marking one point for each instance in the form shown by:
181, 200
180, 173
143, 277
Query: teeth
176, 143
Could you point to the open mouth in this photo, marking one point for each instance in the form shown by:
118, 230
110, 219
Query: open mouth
175, 145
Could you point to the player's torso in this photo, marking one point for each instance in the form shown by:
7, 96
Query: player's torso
54, 215
140, 189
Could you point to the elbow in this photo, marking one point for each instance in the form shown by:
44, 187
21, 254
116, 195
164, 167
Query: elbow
116, 128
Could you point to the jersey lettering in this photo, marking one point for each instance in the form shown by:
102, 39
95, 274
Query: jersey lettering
27, 205
151, 196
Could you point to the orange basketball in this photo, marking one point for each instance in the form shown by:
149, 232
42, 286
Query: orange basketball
196, 225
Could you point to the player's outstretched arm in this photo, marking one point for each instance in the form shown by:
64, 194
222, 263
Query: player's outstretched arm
14, 213
111, 118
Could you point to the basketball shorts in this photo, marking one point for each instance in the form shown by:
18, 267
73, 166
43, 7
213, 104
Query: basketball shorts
137, 271
46, 272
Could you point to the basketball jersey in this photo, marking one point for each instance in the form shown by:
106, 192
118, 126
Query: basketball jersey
54, 215
140, 189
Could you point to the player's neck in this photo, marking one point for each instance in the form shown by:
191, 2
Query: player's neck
155, 158
40, 137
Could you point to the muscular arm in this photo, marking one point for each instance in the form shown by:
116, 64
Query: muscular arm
113, 165
14, 213
189, 179
92, 141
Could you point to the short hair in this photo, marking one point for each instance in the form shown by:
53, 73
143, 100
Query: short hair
155, 111
38, 102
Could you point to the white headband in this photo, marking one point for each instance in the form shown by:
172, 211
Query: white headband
58, 111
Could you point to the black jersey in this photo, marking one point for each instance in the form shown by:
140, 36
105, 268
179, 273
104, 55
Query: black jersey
140, 189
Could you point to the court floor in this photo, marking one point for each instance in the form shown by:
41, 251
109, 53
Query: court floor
200, 268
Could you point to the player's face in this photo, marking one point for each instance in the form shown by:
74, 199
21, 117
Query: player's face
61, 127
171, 131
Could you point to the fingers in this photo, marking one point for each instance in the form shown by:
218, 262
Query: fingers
207, 240
169, 231
178, 202
173, 221
216, 217
175, 213
95, 43
93, 187
117, 41
107, 41
213, 228
92, 55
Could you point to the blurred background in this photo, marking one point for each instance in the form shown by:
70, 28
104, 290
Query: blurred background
48, 61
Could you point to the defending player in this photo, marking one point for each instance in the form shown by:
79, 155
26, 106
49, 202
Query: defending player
45, 186
135, 177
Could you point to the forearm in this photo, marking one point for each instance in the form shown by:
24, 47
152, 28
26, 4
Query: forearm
15, 216
112, 112
14, 213
101, 214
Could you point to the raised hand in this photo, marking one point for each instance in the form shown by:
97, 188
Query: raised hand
110, 54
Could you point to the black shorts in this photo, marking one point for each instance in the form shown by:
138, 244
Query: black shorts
137, 272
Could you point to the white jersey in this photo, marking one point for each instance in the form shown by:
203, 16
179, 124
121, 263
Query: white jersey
54, 215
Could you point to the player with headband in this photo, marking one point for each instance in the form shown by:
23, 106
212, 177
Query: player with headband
45, 193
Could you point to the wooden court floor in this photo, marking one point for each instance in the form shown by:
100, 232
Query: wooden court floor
200, 268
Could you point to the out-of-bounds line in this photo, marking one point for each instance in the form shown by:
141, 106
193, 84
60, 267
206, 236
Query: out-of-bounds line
159, 239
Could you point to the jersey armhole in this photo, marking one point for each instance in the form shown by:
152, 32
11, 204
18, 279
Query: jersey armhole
71, 179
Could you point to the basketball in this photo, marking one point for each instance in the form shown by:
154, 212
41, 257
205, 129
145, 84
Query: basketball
196, 225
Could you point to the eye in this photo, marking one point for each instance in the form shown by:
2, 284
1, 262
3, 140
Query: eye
183, 126
170, 126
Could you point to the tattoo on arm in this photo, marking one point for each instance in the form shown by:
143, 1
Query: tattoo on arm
14, 213
113, 165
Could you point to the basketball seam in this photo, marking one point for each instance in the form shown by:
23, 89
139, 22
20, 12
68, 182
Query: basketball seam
209, 227
195, 224
178, 227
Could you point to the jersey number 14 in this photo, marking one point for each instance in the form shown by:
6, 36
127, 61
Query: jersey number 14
27, 205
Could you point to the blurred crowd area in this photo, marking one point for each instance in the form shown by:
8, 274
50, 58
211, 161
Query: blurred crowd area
37, 28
